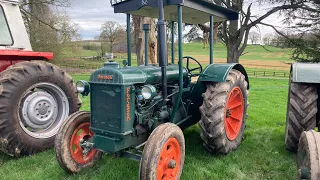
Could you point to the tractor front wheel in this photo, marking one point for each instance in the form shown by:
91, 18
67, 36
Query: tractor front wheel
72, 148
223, 113
308, 155
163, 154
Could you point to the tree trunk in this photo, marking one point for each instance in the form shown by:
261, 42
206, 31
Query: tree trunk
216, 31
152, 42
233, 56
137, 22
139, 39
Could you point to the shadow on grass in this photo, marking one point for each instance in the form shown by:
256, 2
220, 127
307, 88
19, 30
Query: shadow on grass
4, 158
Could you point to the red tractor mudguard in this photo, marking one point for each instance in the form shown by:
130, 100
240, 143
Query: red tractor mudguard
10, 57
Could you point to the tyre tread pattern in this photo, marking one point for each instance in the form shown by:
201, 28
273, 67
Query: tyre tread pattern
213, 114
301, 113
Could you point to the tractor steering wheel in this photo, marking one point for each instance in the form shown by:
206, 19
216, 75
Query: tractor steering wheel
193, 69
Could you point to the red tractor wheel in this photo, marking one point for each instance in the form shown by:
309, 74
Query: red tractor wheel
163, 155
71, 144
308, 155
223, 113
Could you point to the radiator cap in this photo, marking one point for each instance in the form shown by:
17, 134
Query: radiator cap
112, 64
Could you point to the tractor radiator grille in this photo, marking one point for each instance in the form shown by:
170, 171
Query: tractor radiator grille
106, 107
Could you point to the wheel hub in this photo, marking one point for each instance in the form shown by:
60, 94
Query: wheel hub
42, 109
81, 150
39, 110
172, 164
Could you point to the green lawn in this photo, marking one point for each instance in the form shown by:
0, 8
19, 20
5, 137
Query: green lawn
260, 156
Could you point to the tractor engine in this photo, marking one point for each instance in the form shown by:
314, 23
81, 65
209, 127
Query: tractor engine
128, 102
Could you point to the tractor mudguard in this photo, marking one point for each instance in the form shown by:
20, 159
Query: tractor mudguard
219, 72
305, 73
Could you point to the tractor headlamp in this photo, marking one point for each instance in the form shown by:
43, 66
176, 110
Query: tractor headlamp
83, 87
148, 92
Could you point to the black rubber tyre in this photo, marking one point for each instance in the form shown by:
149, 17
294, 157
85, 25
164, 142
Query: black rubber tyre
14, 82
301, 112
214, 114
166, 143
309, 156
64, 138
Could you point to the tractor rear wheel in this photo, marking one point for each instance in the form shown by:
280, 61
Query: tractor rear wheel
309, 155
35, 98
163, 154
301, 112
223, 113
70, 144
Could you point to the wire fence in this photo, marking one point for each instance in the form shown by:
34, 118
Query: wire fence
268, 73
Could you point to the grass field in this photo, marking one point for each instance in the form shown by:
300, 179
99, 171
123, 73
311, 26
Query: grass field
252, 52
260, 156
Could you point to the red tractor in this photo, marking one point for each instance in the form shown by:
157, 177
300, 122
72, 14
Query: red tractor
35, 96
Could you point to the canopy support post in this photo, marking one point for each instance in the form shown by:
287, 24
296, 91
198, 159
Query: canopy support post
211, 39
178, 100
129, 39
163, 56
172, 42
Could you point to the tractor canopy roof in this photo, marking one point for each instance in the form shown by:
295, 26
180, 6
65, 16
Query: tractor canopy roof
194, 11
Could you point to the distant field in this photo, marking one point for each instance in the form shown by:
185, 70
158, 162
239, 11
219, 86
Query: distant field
252, 52
272, 63
261, 155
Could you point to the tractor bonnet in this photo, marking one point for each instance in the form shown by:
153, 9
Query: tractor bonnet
132, 75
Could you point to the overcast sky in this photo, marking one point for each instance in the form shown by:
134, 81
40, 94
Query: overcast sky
90, 15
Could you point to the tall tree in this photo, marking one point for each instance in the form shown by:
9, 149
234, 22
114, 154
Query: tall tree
305, 23
49, 28
254, 37
235, 34
111, 31
267, 39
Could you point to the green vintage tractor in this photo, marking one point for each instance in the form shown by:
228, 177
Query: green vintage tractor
303, 119
145, 107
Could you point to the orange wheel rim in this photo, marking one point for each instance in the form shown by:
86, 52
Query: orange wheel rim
169, 160
82, 132
234, 113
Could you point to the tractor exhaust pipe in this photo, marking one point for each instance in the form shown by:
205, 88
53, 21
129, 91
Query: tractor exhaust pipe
163, 61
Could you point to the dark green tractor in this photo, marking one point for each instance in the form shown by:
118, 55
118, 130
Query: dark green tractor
145, 107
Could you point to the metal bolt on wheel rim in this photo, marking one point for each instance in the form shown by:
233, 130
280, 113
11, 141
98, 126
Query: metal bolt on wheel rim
43, 108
